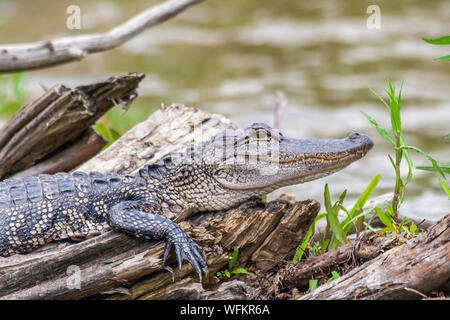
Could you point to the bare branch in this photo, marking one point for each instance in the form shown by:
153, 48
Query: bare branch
28, 56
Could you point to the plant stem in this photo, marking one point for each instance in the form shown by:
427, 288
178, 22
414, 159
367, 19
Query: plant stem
398, 155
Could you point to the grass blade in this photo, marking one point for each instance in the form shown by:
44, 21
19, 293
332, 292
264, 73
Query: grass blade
239, 271
333, 219
380, 129
430, 158
357, 208
438, 41
233, 260
385, 218
444, 58
444, 186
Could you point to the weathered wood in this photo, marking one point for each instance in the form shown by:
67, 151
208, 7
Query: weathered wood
28, 56
84, 148
289, 275
60, 116
421, 264
117, 266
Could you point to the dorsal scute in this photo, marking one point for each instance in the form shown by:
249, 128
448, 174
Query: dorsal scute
66, 184
98, 181
156, 170
5, 197
49, 186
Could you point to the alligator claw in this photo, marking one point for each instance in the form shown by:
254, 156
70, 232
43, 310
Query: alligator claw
185, 249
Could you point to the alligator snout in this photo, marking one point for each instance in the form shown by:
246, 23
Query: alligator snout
361, 141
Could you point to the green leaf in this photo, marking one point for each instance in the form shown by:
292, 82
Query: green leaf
413, 228
333, 219
445, 166
334, 275
312, 285
408, 160
430, 158
301, 249
444, 186
438, 41
239, 271
114, 135
394, 110
444, 58
227, 273
102, 130
357, 207
386, 219
233, 259
380, 98
380, 129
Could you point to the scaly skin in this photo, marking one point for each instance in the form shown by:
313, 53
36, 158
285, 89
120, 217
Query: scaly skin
221, 173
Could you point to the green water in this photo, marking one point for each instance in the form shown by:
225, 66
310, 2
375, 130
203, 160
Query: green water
230, 57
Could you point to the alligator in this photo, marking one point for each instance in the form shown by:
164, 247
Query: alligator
221, 173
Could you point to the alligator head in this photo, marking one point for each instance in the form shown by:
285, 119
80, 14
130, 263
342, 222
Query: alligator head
236, 165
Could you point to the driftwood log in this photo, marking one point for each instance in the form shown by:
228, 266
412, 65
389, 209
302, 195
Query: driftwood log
116, 266
56, 127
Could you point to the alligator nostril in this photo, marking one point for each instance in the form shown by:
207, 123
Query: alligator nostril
354, 135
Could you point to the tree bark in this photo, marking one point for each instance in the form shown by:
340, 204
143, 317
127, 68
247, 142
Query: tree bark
116, 266
408, 271
60, 119
28, 56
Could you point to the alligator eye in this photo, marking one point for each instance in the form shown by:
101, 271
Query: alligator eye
220, 172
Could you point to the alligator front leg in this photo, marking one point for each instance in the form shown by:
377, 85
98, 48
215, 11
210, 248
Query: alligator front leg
129, 217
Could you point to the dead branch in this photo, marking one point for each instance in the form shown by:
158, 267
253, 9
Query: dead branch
57, 119
28, 56
87, 146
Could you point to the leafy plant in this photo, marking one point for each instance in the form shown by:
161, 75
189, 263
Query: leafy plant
400, 148
228, 272
439, 41
336, 232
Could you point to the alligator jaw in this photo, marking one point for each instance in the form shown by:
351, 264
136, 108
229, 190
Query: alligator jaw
306, 160
296, 161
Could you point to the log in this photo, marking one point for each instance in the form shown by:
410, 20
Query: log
60, 119
115, 266
408, 271
289, 275
29, 56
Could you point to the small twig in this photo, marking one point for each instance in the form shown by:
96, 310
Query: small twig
415, 291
